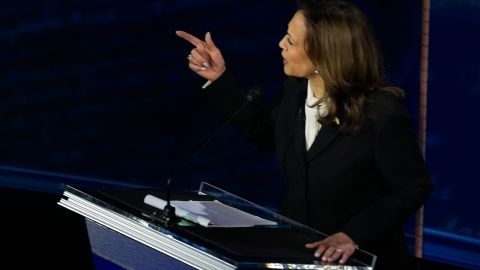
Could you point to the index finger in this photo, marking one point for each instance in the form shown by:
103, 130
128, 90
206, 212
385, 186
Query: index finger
190, 38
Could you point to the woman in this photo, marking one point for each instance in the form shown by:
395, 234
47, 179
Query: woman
351, 162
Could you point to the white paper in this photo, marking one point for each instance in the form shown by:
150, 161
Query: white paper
179, 211
210, 213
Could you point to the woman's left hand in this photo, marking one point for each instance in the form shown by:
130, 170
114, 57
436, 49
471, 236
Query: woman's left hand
335, 247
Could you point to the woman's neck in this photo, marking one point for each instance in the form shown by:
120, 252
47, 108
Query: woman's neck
318, 87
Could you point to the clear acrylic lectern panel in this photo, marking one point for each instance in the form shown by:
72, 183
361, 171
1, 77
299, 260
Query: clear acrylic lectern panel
280, 245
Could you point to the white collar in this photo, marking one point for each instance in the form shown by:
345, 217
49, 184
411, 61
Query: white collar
311, 99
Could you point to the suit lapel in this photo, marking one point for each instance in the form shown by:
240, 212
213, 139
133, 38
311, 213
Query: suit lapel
298, 127
299, 139
324, 137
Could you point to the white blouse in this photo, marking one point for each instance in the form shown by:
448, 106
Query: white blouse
312, 126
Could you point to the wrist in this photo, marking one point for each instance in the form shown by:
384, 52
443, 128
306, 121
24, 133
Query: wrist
219, 73
213, 79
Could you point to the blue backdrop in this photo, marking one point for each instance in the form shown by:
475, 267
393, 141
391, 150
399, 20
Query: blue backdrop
101, 89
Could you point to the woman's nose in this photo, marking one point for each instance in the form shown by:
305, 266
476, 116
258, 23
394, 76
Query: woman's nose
281, 43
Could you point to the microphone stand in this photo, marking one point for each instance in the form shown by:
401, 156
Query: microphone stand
167, 218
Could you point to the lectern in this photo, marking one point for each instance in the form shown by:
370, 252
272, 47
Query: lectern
124, 231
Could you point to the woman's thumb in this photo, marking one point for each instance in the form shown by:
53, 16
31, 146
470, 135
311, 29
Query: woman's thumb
209, 41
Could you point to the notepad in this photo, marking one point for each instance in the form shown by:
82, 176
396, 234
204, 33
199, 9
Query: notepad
210, 213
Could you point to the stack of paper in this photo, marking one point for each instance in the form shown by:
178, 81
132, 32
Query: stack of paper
210, 213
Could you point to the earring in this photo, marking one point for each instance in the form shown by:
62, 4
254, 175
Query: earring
315, 71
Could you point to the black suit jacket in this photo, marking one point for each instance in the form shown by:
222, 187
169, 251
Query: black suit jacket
366, 185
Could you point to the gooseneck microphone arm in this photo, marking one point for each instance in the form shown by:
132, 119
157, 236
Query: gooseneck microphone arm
167, 217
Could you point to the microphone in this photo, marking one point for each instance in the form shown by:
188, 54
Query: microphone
167, 218
254, 94
301, 113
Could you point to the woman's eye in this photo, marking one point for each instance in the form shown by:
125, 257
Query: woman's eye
289, 41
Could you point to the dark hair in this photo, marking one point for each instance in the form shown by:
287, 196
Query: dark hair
342, 45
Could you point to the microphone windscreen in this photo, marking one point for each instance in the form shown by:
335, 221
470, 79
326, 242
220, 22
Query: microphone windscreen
253, 94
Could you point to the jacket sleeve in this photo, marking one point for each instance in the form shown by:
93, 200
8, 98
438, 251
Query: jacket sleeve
255, 121
402, 168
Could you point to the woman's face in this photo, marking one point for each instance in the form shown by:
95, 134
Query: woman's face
296, 63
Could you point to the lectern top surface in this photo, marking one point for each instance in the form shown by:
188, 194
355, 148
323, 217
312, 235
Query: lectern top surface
277, 245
